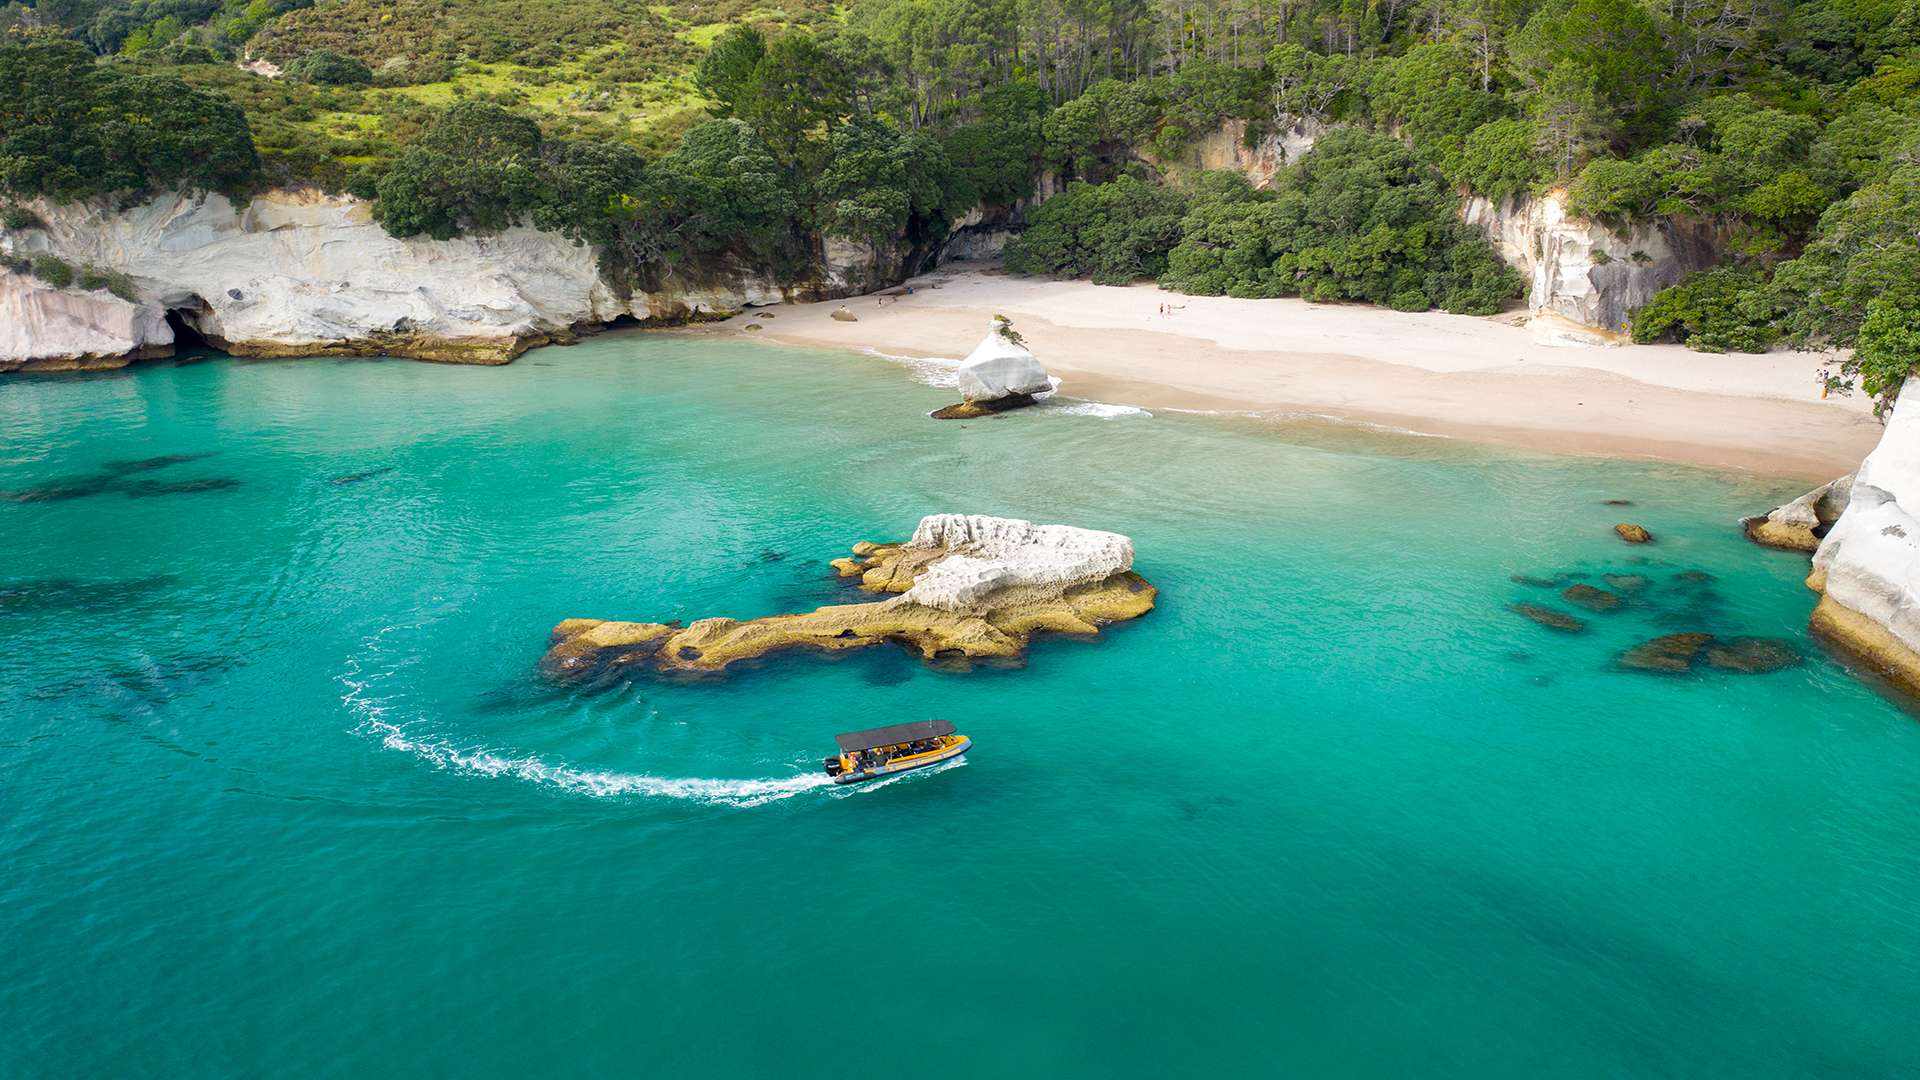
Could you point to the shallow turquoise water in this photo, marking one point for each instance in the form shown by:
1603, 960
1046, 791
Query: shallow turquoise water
283, 794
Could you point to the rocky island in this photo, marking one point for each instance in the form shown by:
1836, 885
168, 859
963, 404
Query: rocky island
968, 586
999, 374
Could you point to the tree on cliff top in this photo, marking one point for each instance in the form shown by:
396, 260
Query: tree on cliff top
475, 169
70, 128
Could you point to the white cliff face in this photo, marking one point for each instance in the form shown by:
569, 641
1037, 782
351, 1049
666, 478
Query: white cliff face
1584, 280
1000, 367
1799, 525
47, 329
293, 273
987, 554
1869, 564
1285, 144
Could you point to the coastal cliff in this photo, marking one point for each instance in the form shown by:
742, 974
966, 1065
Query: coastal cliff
300, 273
303, 273
1585, 278
1868, 566
44, 328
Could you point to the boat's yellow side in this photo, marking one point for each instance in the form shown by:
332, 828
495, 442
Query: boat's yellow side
950, 746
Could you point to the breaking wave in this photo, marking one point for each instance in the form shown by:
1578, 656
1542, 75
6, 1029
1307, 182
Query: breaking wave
927, 370
1102, 409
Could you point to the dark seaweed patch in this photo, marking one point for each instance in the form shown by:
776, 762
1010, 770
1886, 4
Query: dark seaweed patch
113, 476
367, 474
136, 465
61, 490
72, 594
884, 668
147, 489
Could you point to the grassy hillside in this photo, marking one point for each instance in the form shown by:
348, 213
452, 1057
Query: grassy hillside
607, 69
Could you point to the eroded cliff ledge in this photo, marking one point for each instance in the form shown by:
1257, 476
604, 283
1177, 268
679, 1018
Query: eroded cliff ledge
967, 586
1868, 565
301, 273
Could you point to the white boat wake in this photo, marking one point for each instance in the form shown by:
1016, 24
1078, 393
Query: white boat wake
378, 720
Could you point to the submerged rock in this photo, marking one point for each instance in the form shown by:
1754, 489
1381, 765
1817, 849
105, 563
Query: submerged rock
968, 586
999, 374
1549, 618
1592, 599
1801, 524
1681, 653
1633, 534
1626, 583
1751, 655
1669, 652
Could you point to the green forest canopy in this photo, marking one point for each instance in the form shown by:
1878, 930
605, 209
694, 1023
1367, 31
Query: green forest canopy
673, 131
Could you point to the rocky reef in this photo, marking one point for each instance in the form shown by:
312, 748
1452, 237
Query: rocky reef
965, 586
998, 375
1801, 524
1647, 593
1867, 568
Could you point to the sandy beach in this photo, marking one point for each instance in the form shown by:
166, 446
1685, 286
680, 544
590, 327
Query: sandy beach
1484, 379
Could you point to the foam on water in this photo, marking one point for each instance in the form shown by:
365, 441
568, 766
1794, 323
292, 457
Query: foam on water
1105, 410
378, 719
928, 370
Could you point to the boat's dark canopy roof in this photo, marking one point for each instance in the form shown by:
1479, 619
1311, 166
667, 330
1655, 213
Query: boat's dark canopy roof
855, 741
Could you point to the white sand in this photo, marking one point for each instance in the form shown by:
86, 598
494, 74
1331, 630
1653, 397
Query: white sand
1478, 378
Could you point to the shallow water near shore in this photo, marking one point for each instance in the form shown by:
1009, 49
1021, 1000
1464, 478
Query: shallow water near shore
284, 794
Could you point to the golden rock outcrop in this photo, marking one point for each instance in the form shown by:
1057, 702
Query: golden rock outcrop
999, 582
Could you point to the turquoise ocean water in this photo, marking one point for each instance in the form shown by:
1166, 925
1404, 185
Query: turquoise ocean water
283, 794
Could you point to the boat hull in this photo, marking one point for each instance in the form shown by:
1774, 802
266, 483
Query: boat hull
896, 768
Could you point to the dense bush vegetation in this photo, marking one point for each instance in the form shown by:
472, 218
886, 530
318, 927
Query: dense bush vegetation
1115, 233
1718, 310
329, 68
70, 128
658, 131
1357, 219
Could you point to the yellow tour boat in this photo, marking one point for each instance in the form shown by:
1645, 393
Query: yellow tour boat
888, 751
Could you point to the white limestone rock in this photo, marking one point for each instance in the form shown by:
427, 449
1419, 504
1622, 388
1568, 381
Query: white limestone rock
1584, 279
1869, 562
1582, 272
1286, 140
292, 273
1798, 525
43, 328
989, 554
1000, 366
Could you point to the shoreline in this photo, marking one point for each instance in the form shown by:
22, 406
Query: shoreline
1479, 379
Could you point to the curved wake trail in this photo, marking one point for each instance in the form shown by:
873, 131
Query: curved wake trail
377, 720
